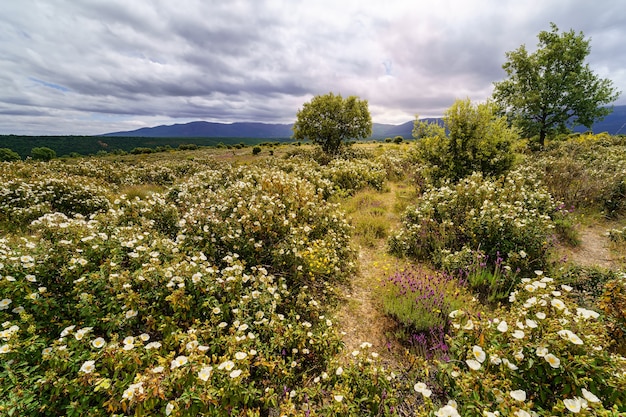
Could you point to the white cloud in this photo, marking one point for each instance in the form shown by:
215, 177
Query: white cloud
88, 67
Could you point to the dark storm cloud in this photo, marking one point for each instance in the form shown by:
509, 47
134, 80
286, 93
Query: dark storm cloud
94, 66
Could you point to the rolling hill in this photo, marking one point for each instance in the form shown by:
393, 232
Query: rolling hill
614, 123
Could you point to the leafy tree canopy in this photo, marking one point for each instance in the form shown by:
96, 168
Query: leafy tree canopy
473, 139
552, 89
43, 153
331, 121
7, 154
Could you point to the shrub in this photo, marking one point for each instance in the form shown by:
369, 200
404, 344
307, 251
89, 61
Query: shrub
473, 139
8, 155
507, 218
544, 355
43, 154
256, 150
420, 302
613, 303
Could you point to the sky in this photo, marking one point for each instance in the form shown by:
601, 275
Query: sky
86, 67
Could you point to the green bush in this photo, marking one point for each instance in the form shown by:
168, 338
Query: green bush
544, 355
8, 155
508, 219
472, 139
256, 150
43, 154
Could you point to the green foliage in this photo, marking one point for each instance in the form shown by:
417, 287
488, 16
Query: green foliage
552, 89
508, 219
478, 141
613, 304
398, 139
421, 300
256, 150
331, 121
543, 355
587, 171
43, 153
7, 155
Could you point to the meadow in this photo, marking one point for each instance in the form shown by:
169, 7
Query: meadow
215, 282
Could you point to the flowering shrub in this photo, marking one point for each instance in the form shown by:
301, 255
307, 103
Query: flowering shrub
545, 355
586, 171
508, 219
22, 201
206, 298
421, 301
613, 304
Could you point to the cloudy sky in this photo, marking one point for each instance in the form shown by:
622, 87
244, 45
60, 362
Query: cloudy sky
96, 66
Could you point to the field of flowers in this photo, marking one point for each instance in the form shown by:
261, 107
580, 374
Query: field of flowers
196, 285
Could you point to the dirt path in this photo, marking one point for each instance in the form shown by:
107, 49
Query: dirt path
361, 317
594, 248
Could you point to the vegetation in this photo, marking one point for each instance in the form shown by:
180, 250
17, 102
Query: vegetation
7, 155
331, 121
472, 139
207, 283
552, 89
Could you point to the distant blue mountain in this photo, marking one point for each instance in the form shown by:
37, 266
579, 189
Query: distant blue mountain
614, 123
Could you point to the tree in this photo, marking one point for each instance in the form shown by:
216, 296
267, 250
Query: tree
552, 89
43, 153
8, 155
330, 121
473, 138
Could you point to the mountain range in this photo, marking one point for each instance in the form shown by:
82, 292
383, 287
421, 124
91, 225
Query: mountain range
613, 124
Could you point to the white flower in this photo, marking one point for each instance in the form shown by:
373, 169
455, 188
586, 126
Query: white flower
519, 355
235, 373
531, 323
338, 398
569, 335
5, 349
4, 303
88, 367
541, 315
502, 327
469, 325
67, 330
153, 345
131, 314
339, 371
144, 337
522, 254
589, 396
205, 373
558, 304
566, 287
573, 404
511, 365
240, 355
169, 408
447, 411
157, 370
518, 334
542, 351
495, 359
179, 361
216, 310
587, 314
422, 389
473, 364
519, 395
228, 365
98, 343
552, 360
479, 354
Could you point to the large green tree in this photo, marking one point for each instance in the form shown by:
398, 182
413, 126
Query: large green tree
331, 121
473, 138
552, 89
